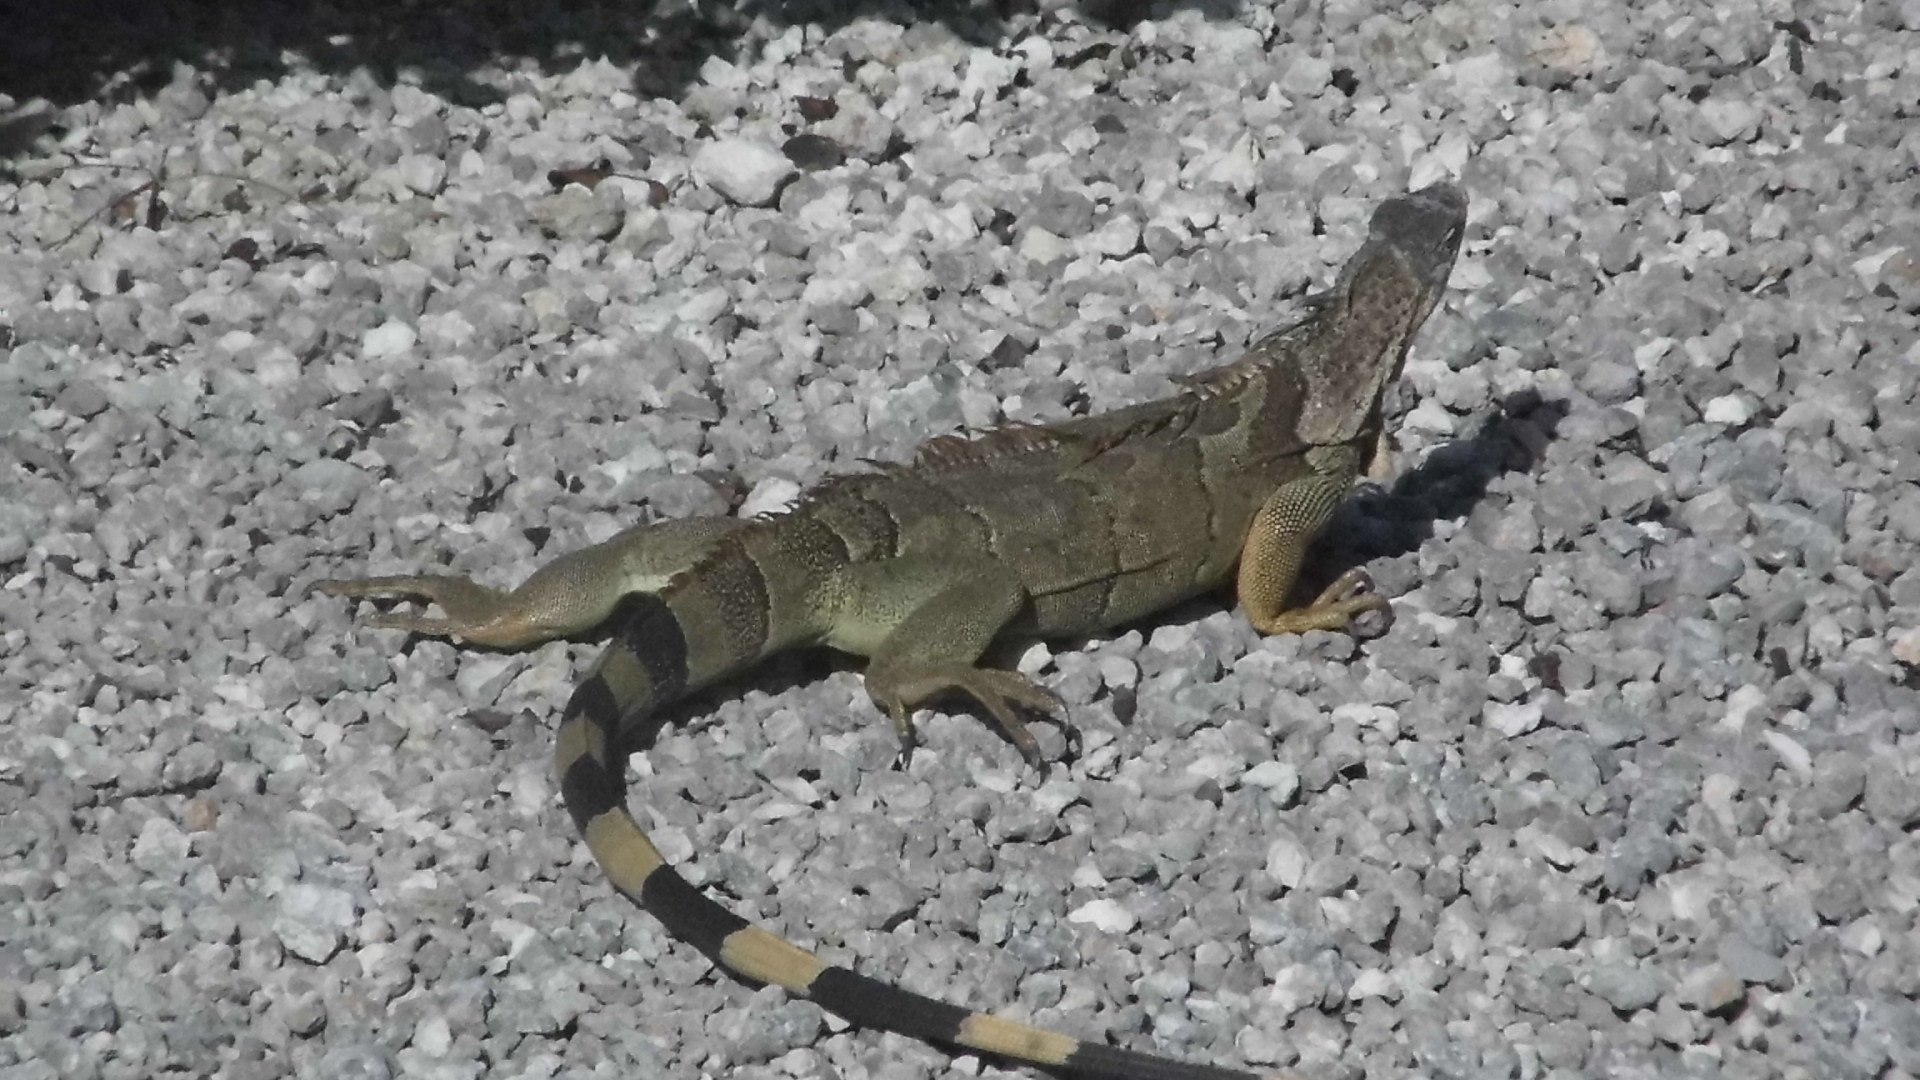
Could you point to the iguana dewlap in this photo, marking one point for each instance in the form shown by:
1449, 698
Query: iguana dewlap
1060, 529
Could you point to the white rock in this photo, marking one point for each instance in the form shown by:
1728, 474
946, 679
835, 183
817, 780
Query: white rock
672, 842
1105, 915
1512, 720
1307, 76
1863, 937
770, 496
1295, 987
746, 172
313, 921
482, 677
1287, 861
1730, 119
102, 277
971, 140
720, 73
160, 847
1428, 418
423, 173
1169, 638
1742, 703
1571, 50
1239, 166
1280, 779
1118, 238
1034, 659
390, 338
328, 483
1906, 647
1869, 266
1717, 792
702, 307
1481, 74
433, 1036
1120, 672
1371, 982
1728, 409
1549, 847
1041, 246
826, 288
1216, 767
1791, 752
987, 74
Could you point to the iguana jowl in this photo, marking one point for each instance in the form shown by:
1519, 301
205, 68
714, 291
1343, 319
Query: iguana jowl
1047, 530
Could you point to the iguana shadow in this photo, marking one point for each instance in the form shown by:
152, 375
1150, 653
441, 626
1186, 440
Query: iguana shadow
1387, 522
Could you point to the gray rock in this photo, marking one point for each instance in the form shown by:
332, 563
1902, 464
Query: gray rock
1627, 988
313, 920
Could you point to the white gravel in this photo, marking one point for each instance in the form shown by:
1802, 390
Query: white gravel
1631, 788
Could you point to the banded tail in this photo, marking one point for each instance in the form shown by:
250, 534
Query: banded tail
646, 666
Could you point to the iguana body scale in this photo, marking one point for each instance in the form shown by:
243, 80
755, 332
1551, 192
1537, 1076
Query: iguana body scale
1049, 530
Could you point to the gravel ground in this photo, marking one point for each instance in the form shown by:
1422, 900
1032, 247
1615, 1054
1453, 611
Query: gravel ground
1631, 788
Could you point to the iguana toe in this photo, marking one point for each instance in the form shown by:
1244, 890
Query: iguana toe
1003, 694
1338, 605
902, 718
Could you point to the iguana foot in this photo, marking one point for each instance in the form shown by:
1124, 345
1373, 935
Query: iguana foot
1351, 594
898, 692
475, 612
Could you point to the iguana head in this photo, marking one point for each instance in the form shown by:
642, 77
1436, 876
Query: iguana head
1362, 326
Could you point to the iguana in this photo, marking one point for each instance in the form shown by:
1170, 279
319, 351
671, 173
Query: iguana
1046, 530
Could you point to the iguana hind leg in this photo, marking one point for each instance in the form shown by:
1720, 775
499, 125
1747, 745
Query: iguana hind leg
572, 594
1275, 548
904, 689
929, 652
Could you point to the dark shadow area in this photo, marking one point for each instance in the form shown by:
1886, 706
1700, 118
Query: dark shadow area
87, 49
1384, 523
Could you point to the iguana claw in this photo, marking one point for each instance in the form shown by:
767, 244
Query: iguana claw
1001, 693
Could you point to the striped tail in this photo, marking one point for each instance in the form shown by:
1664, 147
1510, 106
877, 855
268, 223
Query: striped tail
646, 665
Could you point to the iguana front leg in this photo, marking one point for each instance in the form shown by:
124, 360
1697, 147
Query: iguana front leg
930, 651
570, 595
1275, 548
